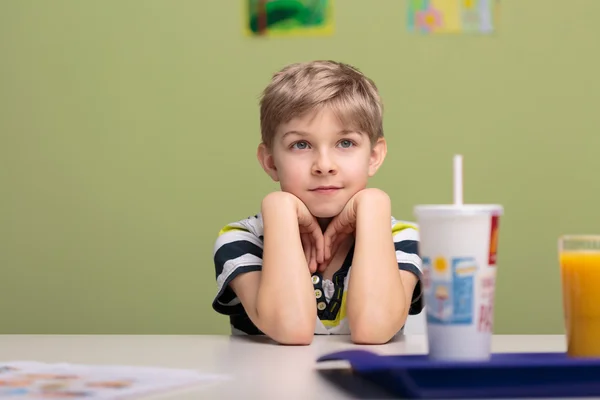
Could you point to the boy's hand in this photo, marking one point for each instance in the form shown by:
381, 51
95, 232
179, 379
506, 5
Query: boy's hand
311, 234
311, 237
344, 224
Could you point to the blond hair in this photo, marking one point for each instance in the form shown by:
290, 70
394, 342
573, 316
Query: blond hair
303, 87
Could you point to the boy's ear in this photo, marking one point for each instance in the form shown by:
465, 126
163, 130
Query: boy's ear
378, 153
265, 158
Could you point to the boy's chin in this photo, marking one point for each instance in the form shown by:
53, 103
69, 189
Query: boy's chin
325, 212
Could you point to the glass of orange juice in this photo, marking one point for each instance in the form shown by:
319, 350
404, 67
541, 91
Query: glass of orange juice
580, 269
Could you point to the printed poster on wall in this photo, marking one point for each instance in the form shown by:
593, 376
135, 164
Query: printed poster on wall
452, 16
271, 18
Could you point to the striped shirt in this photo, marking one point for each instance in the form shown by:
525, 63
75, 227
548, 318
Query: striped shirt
239, 249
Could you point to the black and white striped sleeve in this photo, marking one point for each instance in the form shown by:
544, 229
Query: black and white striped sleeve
238, 249
406, 244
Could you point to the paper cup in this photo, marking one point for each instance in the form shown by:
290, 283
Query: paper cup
458, 246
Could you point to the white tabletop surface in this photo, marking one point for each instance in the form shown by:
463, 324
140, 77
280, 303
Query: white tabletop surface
258, 368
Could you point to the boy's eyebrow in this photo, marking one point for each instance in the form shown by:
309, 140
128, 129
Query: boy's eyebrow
299, 133
303, 133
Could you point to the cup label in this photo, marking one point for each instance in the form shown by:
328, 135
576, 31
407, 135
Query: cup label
493, 241
487, 287
450, 289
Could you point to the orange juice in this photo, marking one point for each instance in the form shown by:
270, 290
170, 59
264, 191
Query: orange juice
581, 300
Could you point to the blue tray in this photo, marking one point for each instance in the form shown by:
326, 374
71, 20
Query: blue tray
504, 375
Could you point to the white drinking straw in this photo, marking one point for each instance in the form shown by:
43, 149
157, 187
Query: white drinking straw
458, 180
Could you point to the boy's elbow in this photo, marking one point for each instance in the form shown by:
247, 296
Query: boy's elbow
295, 331
294, 336
377, 326
370, 336
372, 332
286, 327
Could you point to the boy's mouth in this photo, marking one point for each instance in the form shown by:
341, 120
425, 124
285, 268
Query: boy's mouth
326, 189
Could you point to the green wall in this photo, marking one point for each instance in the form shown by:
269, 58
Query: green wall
128, 132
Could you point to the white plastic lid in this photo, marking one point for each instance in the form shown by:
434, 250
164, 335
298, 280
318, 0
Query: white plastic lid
445, 210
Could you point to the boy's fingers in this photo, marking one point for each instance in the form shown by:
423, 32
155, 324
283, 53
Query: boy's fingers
326, 241
339, 239
306, 245
318, 244
312, 266
323, 266
329, 253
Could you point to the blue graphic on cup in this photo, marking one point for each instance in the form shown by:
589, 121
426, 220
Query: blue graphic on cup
450, 290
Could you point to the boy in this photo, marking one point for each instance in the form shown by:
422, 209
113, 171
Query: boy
322, 256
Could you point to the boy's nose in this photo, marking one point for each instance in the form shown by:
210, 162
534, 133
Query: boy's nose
324, 165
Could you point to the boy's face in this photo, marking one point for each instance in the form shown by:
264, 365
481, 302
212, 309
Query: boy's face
321, 162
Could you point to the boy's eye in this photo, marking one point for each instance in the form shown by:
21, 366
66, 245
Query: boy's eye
346, 143
300, 145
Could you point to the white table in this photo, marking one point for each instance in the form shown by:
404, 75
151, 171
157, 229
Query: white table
258, 368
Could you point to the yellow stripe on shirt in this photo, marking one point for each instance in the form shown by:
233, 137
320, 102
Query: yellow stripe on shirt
340, 315
400, 226
230, 228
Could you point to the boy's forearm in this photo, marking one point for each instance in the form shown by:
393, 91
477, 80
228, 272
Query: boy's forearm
377, 306
285, 301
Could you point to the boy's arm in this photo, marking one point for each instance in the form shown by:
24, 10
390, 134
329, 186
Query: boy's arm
379, 295
279, 299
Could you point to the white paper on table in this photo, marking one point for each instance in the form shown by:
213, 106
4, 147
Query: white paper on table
26, 380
